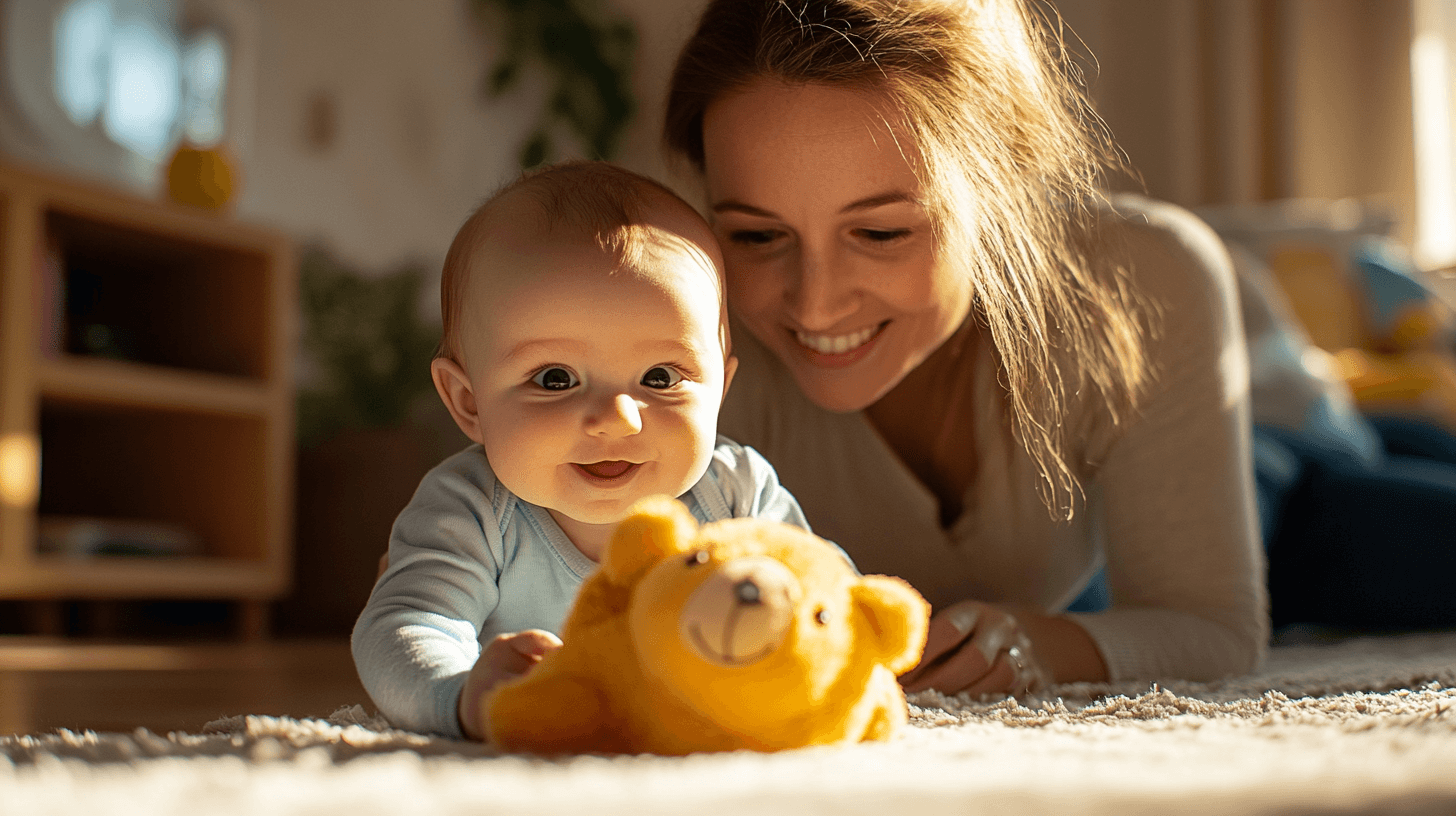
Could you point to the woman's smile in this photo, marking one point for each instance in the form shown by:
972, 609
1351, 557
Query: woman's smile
834, 350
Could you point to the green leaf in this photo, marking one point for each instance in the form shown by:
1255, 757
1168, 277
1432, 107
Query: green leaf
503, 77
368, 344
536, 150
588, 55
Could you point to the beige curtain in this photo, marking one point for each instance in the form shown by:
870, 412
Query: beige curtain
1229, 101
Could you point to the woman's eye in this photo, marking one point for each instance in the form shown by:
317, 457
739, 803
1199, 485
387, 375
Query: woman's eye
752, 237
661, 377
883, 236
555, 378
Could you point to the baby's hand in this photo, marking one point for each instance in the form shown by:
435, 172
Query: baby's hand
506, 657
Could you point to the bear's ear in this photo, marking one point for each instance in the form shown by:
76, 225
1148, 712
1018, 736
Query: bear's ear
895, 619
655, 527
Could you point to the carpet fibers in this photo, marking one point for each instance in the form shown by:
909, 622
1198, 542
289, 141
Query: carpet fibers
1361, 725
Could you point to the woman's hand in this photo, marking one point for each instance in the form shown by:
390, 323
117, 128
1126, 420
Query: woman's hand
506, 657
977, 648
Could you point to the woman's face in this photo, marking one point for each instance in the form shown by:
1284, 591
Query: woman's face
830, 258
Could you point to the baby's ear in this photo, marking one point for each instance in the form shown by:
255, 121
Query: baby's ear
655, 528
730, 367
894, 619
453, 385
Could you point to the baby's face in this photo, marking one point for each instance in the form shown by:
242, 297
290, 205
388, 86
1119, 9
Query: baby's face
596, 388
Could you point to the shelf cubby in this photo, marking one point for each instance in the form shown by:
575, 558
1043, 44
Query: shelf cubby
204, 472
157, 298
145, 365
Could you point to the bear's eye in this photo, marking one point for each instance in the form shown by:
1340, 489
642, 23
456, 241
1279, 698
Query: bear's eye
698, 557
820, 616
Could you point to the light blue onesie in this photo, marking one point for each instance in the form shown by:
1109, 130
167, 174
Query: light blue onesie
468, 560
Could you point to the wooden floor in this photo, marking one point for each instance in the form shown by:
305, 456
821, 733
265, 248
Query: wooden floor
47, 684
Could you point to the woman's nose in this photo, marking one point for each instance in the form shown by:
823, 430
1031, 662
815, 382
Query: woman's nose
819, 293
619, 415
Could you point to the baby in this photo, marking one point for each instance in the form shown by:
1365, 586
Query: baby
586, 354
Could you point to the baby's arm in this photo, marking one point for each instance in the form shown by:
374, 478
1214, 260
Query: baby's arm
507, 657
416, 641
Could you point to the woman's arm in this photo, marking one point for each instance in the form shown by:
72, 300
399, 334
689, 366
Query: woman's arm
1175, 486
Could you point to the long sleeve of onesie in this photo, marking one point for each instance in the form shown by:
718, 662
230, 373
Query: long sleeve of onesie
418, 636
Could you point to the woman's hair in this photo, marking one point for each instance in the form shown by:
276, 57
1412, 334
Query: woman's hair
1010, 157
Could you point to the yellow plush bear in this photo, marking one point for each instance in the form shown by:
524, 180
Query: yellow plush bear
741, 634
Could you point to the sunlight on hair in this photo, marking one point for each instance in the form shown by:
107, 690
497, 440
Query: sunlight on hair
1003, 35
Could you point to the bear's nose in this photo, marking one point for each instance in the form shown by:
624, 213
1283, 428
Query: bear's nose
746, 591
742, 612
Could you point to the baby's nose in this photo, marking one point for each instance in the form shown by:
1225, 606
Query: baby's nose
619, 416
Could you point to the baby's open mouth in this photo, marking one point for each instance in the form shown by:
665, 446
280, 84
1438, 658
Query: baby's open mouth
612, 469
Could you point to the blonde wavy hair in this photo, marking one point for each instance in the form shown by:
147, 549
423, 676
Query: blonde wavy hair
1011, 159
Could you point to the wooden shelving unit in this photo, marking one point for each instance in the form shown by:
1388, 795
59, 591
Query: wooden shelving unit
145, 375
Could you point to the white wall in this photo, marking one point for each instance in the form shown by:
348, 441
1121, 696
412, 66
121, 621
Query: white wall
417, 145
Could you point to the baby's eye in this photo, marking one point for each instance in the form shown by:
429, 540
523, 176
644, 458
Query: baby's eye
555, 378
661, 377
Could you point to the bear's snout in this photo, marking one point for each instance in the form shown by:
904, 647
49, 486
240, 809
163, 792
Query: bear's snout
741, 613
747, 592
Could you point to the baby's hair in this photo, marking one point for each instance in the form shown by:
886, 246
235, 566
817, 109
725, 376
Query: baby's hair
584, 200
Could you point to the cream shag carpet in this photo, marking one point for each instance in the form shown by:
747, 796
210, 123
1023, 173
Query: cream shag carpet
1363, 725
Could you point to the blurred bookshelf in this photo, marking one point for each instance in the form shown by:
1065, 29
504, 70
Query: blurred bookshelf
146, 404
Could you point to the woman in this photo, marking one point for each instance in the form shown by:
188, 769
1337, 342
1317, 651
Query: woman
971, 369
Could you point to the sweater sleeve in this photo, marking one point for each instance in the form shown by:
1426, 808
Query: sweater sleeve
418, 636
1175, 486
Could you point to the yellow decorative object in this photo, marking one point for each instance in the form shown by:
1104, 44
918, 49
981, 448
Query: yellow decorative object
1413, 383
1419, 326
200, 177
741, 634
1331, 311
1390, 338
